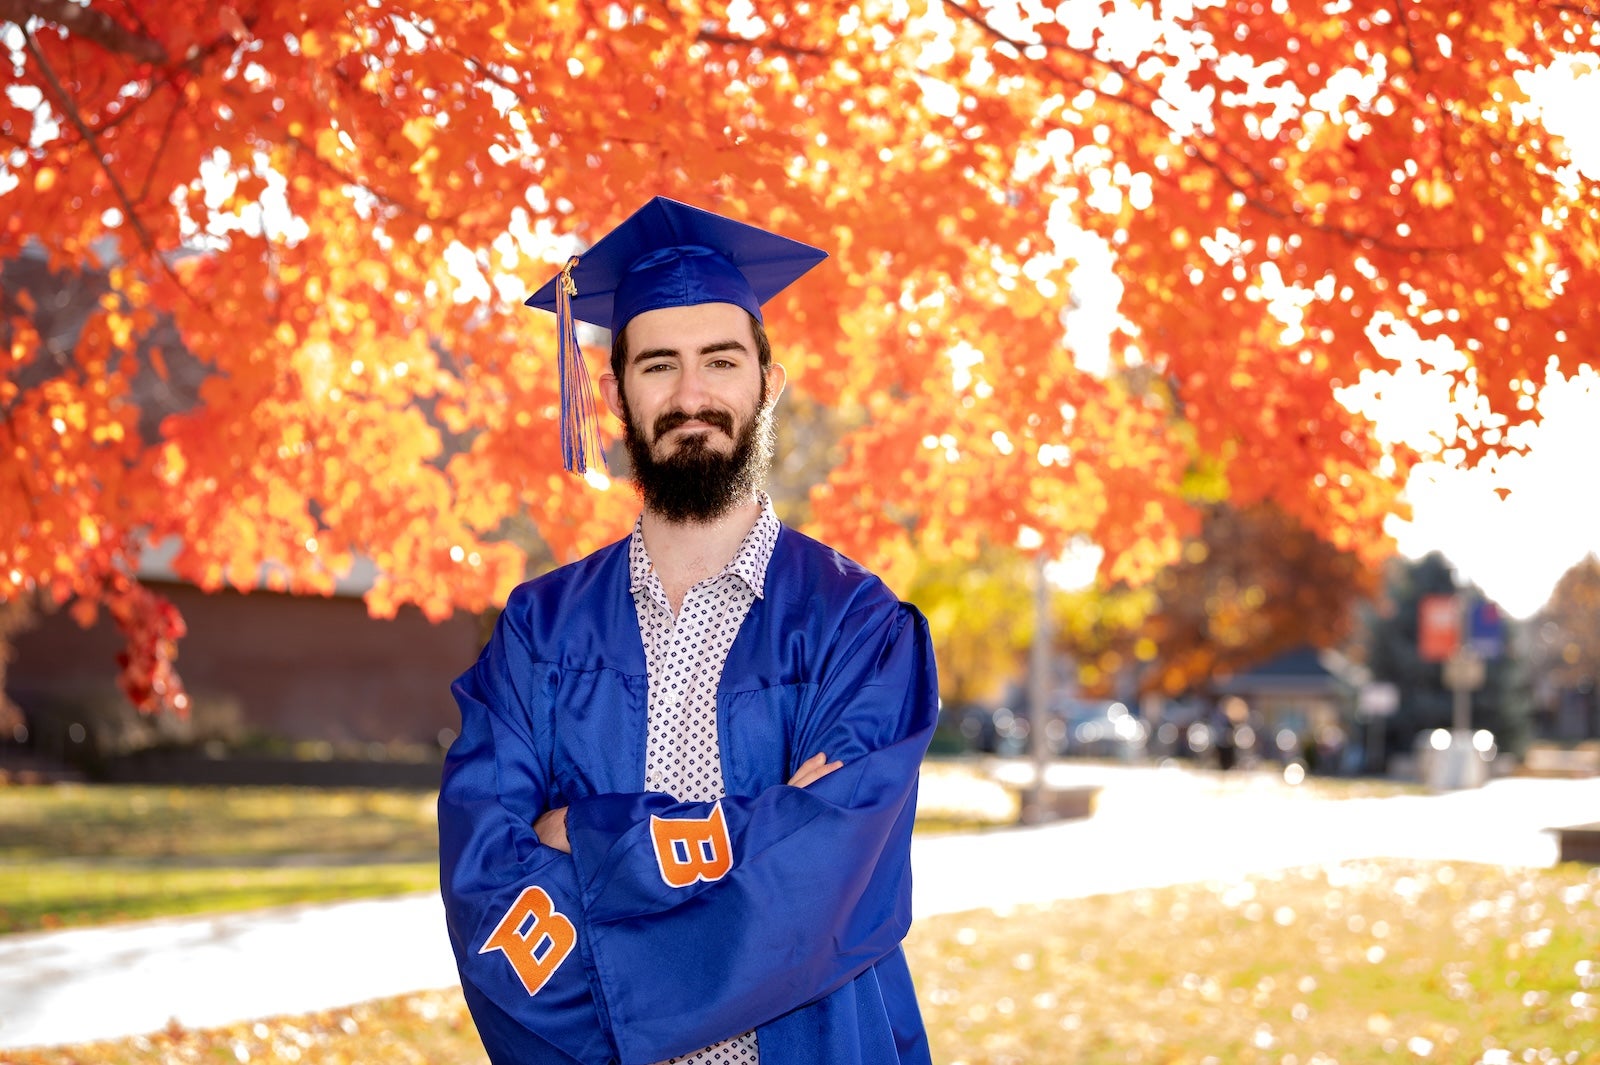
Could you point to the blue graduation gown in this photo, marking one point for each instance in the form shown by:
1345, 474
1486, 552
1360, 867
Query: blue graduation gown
595, 956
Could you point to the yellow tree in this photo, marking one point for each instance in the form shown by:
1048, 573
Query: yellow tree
980, 619
336, 207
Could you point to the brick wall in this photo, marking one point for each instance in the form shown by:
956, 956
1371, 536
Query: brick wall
295, 667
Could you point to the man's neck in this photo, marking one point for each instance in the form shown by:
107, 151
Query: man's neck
686, 553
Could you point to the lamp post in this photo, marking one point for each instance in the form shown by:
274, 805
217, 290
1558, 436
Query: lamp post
1457, 764
1039, 689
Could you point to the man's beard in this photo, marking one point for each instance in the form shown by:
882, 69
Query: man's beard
696, 482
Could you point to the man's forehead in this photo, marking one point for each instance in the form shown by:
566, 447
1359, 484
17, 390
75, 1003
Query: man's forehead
691, 327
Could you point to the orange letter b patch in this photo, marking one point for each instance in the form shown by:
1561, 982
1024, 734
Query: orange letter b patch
535, 938
690, 849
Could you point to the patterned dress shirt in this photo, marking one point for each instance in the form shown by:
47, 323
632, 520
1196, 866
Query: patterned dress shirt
683, 660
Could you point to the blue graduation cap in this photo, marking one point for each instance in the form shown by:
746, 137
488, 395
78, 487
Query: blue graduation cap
665, 254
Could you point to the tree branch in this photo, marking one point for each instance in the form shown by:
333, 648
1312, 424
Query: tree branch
1405, 31
1581, 11
128, 106
765, 45
87, 23
412, 208
1129, 77
133, 13
155, 157
70, 109
1212, 162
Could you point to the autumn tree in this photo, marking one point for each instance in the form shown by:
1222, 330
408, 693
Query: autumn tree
1565, 648
338, 207
1251, 585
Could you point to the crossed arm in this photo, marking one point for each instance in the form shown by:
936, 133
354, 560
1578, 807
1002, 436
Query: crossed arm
551, 826
587, 876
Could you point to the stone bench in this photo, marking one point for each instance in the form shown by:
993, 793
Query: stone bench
1579, 843
1058, 803
1547, 761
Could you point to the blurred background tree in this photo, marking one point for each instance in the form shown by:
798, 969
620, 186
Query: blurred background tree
1252, 585
1565, 654
1503, 705
981, 621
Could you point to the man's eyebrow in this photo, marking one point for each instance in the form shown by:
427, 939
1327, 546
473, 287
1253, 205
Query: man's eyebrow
708, 349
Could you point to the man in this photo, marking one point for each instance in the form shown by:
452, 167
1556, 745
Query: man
676, 823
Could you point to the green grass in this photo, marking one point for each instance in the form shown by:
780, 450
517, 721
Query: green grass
1363, 963
78, 854
213, 824
44, 895
75, 854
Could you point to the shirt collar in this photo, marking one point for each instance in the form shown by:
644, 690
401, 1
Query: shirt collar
639, 565
755, 551
749, 563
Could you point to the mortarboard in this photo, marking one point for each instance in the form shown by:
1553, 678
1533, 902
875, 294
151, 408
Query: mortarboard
665, 254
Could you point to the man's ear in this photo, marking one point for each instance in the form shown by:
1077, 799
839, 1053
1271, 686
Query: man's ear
777, 377
612, 392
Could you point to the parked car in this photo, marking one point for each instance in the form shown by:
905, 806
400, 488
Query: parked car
1074, 728
1102, 729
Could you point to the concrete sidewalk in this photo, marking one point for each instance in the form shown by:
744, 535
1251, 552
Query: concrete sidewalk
1153, 827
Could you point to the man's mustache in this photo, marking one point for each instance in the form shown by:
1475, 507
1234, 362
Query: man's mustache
672, 419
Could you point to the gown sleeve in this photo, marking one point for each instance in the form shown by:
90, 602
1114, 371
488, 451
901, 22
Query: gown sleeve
512, 905
819, 885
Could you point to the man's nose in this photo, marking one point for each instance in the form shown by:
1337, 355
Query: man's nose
692, 392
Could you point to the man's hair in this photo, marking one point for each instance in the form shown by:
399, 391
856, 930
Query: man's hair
619, 348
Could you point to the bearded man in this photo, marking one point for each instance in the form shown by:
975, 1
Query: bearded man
675, 825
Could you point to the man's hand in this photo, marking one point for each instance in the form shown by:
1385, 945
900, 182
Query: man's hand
812, 770
551, 828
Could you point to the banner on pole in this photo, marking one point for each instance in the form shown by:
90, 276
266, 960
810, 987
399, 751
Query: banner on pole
1486, 634
1438, 627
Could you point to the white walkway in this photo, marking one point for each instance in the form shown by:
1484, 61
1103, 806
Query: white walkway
1152, 828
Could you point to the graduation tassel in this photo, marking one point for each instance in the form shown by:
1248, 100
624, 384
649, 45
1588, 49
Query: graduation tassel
580, 426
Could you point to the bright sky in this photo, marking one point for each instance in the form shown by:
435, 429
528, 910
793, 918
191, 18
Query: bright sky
1513, 526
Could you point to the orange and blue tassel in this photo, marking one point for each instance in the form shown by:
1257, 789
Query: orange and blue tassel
580, 425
